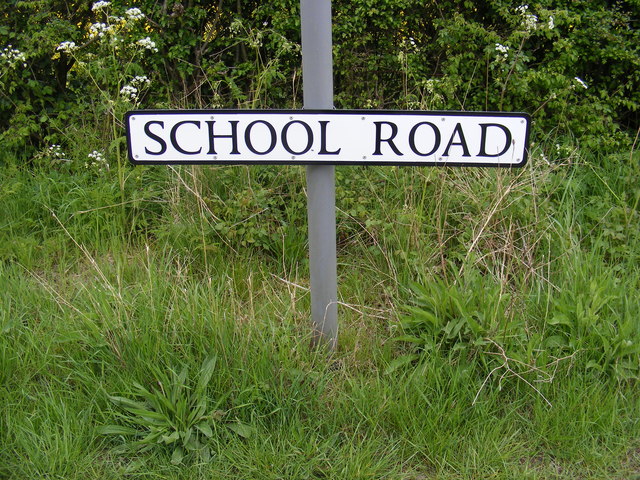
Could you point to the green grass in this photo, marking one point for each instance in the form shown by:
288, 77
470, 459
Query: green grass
96, 298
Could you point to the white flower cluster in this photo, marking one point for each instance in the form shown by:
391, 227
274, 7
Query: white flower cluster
67, 47
148, 44
12, 56
129, 92
255, 41
55, 151
581, 82
97, 156
529, 20
97, 161
140, 81
431, 85
52, 155
100, 5
503, 50
236, 26
134, 14
99, 30
551, 25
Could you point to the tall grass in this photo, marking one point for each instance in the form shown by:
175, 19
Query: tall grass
212, 261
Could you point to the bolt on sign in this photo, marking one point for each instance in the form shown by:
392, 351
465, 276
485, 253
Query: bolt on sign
327, 137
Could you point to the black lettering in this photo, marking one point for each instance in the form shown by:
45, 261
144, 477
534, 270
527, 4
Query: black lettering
483, 139
285, 141
247, 137
379, 139
233, 136
153, 136
323, 140
462, 143
174, 139
412, 139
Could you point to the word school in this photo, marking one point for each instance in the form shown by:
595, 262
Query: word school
327, 137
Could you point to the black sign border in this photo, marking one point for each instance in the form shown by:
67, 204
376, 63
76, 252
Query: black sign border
457, 113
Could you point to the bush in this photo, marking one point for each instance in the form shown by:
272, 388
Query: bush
575, 67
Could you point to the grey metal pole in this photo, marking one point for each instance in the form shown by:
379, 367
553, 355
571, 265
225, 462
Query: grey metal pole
317, 78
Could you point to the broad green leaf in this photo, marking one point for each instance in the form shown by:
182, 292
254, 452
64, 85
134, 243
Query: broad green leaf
205, 428
186, 436
480, 341
154, 417
217, 414
164, 403
629, 348
242, 429
192, 444
142, 390
135, 465
206, 372
152, 438
422, 314
400, 362
205, 454
180, 384
555, 341
169, 439
452, 328
116, 430
419, 290
177, 456
475, 326
197, 412
560, 319
127, 403
592, 364
460, 308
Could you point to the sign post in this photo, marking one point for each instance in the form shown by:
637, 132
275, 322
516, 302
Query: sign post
317, 78
320, 138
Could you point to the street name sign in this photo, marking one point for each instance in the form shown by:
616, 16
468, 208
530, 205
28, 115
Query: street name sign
328, 137
320, 138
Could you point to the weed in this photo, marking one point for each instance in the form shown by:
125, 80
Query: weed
174, 413
462, 316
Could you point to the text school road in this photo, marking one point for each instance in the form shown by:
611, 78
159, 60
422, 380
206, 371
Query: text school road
327, 137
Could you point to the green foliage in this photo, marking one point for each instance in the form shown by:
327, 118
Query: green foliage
390, 54
462, 316
591, 318
81, 320
238, 208
537, 60
80, 203
176, 413
610, 211
520, 329
577, 242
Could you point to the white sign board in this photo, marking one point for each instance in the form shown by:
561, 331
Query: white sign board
335, 137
